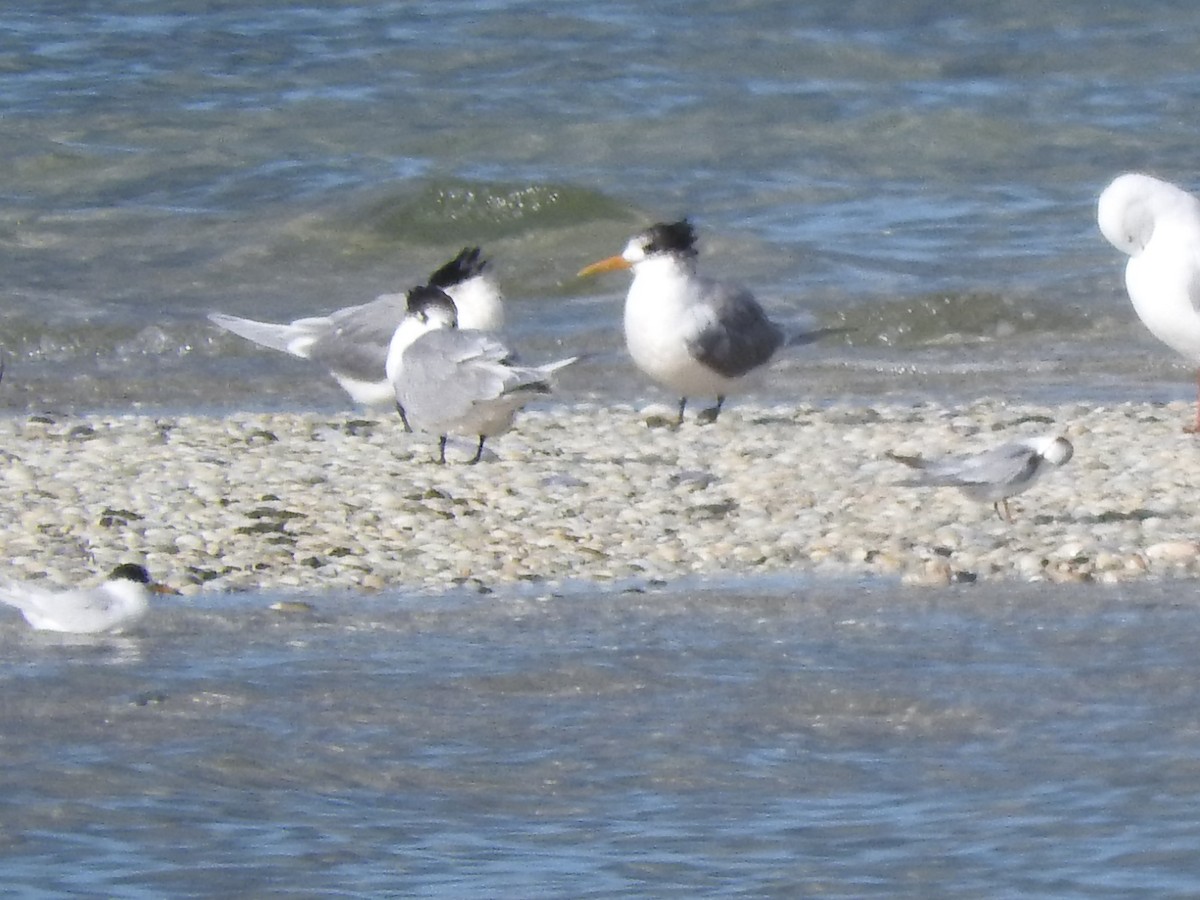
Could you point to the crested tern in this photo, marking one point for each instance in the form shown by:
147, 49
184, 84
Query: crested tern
993, 475
120, 601
448, 380
352, 343
691, 333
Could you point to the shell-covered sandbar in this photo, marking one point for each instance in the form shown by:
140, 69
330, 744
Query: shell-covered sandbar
312, 501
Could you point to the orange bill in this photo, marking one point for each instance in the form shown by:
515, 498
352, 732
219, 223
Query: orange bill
605, 265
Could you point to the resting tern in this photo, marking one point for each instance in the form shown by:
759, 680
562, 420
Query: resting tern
690, 333
119, 601
353, 342
1158, 226
994, 475
452, 381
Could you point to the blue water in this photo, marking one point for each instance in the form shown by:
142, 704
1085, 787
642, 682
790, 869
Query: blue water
923, 174
824, 740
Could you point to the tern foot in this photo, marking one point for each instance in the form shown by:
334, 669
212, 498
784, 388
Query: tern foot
478, 453
656, 421
658, 415
708, 416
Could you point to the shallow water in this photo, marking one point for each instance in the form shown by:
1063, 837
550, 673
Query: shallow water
924, 175
838, 740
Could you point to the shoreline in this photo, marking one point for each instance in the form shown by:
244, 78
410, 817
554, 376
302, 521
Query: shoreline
319, 502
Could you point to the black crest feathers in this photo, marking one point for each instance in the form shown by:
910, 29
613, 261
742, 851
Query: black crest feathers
463, 267
670, 237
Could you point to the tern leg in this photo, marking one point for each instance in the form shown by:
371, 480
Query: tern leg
682, 404
478, 452
403, 418
708, 416
442, 450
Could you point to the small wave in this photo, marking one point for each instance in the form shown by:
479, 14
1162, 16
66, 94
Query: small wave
540, 233
453, 212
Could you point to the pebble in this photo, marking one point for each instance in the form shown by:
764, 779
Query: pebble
1172, 551
310, 501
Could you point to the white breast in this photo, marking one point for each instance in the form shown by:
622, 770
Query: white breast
663, 311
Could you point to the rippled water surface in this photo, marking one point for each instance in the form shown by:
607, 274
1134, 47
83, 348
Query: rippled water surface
836, 740
923, 174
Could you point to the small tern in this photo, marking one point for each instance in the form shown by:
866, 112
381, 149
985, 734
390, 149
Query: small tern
118, 602
447, 380
690, 333
352, 343
993, 475
1158, 226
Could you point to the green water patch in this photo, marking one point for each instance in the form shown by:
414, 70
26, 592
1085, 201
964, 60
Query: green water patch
449, 212
539, 234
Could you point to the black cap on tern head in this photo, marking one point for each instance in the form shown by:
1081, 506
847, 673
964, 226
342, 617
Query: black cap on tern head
130, 572
463, 267
425, 298
670, 237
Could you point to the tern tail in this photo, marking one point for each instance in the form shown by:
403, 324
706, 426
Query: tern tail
913, 462
284, 338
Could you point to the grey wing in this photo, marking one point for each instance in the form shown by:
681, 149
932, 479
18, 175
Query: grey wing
294, 338
447, 372
732, 334
357, 343
1006, 464
86, 608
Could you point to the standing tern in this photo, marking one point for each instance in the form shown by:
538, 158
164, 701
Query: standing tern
352, 343
1158, 226
452, 381
119, 601
993, 475
690, 333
